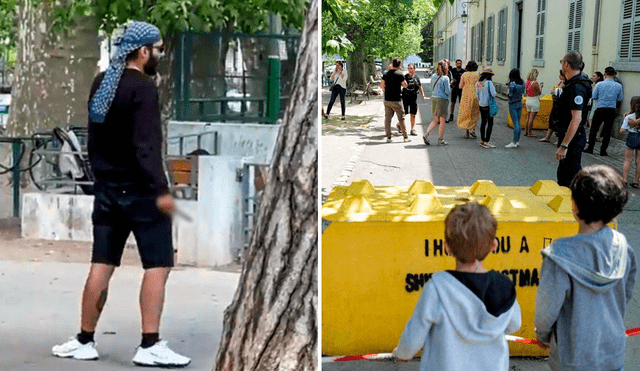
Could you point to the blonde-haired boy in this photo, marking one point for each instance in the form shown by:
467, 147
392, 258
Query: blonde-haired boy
462, 316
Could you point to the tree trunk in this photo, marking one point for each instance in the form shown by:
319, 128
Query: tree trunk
166, 85
53, 72
272, 322
357, 69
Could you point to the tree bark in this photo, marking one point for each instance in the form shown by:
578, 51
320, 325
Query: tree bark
272, 322
53, 73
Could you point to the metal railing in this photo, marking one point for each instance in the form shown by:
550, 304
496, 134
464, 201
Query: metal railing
198, 136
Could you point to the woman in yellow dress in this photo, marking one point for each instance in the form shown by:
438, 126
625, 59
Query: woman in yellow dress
469, 110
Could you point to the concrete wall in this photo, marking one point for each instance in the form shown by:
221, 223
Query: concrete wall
54, 216
243, 140
213, 237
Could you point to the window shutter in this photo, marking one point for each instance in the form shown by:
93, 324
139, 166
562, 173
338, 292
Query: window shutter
625, 36
499, 43
635, 50
577, 34
473, 43
543, 16
572, 16
489, 55
540, 23
575, 26
481, 40
503, 55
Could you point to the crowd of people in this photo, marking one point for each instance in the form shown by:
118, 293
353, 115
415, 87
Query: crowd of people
579, 104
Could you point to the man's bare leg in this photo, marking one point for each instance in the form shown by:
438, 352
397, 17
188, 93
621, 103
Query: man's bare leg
152, 292
94, 295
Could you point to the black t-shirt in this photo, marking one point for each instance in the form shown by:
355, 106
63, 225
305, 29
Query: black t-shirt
497, 292
413, 86
126, 147
575, 96
455, 75
393, 85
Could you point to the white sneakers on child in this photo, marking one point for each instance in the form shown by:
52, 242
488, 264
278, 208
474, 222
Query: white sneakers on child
76, 350
512, 145
159, 355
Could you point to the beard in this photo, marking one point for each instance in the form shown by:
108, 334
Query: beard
151, 67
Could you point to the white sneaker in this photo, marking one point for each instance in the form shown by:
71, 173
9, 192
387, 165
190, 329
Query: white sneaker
512, 145
159, 355
76, 350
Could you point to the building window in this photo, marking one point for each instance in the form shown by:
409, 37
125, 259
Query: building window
574, 33
502, 36
479, 41
630, 32
540, 23
473, 43
490, 32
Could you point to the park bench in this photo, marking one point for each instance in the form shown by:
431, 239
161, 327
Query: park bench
360, 93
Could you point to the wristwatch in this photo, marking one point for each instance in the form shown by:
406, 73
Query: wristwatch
563, 146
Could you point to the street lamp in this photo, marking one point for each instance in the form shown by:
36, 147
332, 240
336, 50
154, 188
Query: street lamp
464, 15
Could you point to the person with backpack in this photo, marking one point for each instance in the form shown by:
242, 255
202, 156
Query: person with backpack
486, 91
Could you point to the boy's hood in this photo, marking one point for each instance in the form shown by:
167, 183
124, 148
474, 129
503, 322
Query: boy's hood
467, 312
596, 260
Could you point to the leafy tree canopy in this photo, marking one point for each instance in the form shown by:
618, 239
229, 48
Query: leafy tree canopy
168, 15
380, 28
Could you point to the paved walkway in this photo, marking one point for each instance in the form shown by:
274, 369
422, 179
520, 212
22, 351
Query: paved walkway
40, 303
356, 149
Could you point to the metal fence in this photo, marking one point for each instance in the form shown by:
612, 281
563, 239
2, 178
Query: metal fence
232, 77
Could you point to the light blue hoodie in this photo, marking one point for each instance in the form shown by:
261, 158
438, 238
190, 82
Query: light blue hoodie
585, 284
457, 332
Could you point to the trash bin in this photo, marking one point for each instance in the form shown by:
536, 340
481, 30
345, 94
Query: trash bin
380, 245
542, 118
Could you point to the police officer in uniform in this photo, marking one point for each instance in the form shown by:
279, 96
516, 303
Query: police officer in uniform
572, 117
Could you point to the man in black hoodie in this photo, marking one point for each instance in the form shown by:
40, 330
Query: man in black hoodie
572, 118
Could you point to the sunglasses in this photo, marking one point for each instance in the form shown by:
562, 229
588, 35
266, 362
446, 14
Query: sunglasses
158, 48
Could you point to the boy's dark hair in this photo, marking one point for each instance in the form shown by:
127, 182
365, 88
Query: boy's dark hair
599, 193
458, 60
396, 62
469, 231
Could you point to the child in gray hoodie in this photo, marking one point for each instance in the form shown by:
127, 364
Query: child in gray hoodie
462, 315
587, 280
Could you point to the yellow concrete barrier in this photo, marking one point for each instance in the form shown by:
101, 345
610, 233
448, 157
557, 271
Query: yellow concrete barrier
542, 118
380, 245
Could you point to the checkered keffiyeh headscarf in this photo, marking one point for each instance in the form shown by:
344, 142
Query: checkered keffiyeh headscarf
135, 35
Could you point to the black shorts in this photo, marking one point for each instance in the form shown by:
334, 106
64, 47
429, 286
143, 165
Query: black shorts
121, 209
456, 94
410, 104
